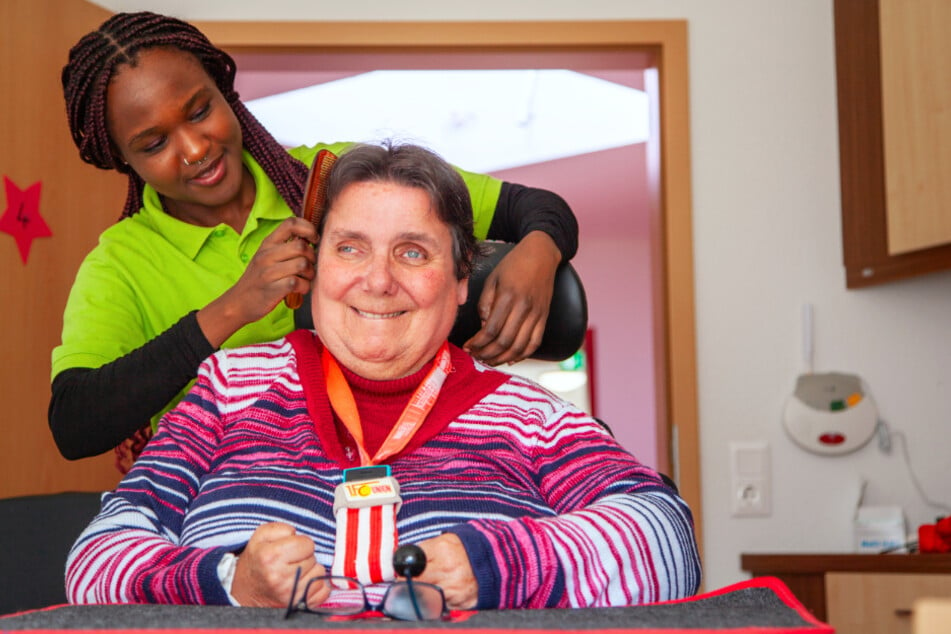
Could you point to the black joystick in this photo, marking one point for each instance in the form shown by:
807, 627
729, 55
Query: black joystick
409, 560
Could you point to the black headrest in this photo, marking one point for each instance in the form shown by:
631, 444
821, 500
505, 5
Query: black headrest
567, 316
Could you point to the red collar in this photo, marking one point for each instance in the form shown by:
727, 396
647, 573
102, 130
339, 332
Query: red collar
464, 387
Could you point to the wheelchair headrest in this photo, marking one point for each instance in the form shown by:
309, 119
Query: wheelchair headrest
567, 316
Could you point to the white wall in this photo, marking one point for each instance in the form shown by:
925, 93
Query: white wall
767, 239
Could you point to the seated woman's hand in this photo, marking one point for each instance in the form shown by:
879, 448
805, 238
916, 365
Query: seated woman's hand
447, 566
264, 576
515, 301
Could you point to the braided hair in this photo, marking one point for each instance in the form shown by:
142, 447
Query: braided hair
92, 64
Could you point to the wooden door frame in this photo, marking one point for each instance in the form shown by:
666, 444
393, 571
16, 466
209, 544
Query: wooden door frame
665, 41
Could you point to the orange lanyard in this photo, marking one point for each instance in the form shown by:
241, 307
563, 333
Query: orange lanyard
419, 406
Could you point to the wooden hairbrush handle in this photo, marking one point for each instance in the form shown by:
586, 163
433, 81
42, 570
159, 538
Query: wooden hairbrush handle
312, 209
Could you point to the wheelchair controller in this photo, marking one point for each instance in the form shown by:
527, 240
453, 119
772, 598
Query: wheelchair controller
409, 560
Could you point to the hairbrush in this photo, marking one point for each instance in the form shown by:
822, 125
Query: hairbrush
312, 209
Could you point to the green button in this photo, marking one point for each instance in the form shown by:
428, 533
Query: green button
220, 232
245, 258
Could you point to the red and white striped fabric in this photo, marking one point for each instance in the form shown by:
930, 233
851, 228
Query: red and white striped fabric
365, 513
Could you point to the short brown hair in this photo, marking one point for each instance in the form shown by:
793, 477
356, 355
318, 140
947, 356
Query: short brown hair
412, 166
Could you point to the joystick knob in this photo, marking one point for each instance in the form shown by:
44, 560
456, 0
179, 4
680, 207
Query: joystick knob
409, 560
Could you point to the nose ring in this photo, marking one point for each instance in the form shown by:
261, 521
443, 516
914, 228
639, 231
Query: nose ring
199, 162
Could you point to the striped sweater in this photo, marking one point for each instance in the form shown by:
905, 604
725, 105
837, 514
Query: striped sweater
552, 512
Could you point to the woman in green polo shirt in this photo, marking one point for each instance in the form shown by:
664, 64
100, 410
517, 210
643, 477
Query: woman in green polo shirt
203, 254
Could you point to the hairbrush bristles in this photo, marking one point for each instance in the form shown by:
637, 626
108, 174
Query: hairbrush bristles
315, 195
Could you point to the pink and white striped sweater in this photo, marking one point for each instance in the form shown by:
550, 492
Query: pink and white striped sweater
551, 510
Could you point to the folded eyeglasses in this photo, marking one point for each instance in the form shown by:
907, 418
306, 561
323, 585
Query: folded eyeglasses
403, 600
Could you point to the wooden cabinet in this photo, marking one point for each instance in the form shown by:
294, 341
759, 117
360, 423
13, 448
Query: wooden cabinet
931, 616
858, 594
879, 603
893, 66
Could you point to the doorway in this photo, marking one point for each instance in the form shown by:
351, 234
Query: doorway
580, 131
660, 50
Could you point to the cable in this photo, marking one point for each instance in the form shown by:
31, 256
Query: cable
885, 446
807, 338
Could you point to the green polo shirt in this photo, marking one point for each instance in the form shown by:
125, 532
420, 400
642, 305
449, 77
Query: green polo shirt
151, 269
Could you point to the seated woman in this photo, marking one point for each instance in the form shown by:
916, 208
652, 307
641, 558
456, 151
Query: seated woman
517, 498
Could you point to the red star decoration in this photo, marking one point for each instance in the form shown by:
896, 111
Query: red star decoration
22, 219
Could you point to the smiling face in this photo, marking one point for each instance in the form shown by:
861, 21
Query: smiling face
386, 293
165, 110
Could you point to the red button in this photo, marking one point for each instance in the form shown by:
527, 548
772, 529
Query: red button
832, 439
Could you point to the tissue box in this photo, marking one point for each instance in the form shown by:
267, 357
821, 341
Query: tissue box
879, 528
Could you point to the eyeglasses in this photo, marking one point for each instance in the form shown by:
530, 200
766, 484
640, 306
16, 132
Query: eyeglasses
403, 600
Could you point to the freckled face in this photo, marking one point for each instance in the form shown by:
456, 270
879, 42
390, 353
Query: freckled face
166, 109
386, 295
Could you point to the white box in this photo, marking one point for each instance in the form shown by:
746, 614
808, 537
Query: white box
879, 528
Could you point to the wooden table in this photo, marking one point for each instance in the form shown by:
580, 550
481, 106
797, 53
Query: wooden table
855, 589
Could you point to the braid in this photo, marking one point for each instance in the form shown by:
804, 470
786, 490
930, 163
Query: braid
288, 174
93, 62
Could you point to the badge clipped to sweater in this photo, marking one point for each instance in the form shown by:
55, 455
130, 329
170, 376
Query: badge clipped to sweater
365, 507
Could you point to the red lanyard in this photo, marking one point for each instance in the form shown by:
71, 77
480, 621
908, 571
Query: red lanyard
419, 406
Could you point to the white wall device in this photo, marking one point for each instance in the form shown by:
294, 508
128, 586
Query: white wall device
830, 413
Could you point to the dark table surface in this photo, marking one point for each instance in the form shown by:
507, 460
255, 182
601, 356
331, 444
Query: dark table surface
759, 603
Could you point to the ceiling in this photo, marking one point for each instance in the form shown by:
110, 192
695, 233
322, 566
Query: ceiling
460, 115
606, 189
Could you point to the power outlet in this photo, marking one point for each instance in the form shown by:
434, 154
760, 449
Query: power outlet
750, 479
